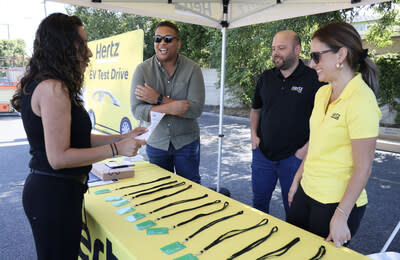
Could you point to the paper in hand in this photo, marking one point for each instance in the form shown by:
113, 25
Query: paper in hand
155, 119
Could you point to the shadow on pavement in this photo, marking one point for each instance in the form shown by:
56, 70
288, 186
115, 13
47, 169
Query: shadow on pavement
383, 188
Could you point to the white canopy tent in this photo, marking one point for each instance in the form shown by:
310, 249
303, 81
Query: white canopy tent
223, 14
211, 12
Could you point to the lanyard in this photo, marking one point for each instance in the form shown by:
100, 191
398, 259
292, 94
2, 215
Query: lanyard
143, 183
164, 196
212, 223
321, 252
200, 216
230, 234
188, 209
151, 188
254, 244
176, 203
159, 189
281, 250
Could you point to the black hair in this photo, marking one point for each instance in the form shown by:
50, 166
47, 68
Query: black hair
58, 52
170, 25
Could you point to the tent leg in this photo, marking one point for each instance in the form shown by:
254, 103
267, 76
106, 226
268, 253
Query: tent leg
221, 108
390, 239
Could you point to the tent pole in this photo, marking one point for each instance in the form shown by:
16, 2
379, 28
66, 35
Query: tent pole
221, 108
45, 10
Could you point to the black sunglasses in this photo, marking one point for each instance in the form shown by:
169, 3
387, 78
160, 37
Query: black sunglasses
167, 38
316, 55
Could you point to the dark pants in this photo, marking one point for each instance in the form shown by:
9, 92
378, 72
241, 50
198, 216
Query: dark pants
54, 210
264, 175
184, 161
315, 217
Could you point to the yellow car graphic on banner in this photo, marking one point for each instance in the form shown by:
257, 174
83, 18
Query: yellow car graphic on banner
108, 80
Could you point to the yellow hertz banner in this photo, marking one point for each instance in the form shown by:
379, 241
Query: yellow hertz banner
108, 79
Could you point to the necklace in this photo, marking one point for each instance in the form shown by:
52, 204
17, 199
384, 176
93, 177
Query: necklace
188, 209
159, 189
143, 183
164, 196
176, 203
177, 246
212, 223
231, 234
254, 244
200, 216
154, 187
281, 250
321, 252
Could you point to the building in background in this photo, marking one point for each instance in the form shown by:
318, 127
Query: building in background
362, 24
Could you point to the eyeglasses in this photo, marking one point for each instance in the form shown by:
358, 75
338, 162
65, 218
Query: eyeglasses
316, 55
167, 38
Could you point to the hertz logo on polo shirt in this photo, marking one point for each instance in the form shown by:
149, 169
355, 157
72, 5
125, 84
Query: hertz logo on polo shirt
335, 116
297, 89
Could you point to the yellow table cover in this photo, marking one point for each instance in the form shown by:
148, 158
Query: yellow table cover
109, 236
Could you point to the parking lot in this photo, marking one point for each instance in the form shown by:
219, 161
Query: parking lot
381, 217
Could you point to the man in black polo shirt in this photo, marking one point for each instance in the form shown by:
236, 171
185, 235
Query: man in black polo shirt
279, 120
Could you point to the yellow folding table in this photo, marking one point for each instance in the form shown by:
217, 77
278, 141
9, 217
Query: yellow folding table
109, 235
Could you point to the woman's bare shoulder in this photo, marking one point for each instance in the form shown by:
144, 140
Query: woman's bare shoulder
52, 87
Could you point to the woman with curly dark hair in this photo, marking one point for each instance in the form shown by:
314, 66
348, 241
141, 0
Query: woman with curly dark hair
59, 134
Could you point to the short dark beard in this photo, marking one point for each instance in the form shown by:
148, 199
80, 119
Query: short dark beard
287, 63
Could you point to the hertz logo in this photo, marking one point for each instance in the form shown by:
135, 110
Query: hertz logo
297, 89
335, 116
107, 51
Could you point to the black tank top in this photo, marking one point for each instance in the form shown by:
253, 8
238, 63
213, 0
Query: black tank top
80, 134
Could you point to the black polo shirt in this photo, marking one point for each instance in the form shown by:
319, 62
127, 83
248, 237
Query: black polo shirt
286, 105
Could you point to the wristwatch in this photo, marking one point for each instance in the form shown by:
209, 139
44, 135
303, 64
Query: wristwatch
160, 99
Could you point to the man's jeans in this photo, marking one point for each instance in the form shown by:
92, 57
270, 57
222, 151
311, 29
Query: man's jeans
265, 174
185, 160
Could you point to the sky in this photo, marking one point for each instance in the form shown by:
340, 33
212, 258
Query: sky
20, 19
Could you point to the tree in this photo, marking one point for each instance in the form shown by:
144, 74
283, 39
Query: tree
249, 50
195, 41
380, 33
389, 64
12, 48
389, 67
104, 23
101, 23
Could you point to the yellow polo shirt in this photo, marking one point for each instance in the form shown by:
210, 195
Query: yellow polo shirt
329, 164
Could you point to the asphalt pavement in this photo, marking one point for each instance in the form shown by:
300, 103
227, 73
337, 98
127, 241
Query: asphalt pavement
383, 188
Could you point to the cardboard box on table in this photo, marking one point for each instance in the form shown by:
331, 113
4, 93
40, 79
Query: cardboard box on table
104, 172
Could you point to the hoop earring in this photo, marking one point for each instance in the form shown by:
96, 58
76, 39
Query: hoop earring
339, 66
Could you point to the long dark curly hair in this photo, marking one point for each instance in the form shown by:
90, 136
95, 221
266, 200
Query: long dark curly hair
58, 53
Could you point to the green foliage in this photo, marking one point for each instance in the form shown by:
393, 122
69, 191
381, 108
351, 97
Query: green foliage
12, 48
380, 33
389, 80
249, 50
101, 23
194, 42
104, 23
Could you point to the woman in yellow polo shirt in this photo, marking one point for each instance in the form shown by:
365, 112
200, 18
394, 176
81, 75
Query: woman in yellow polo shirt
327, 196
